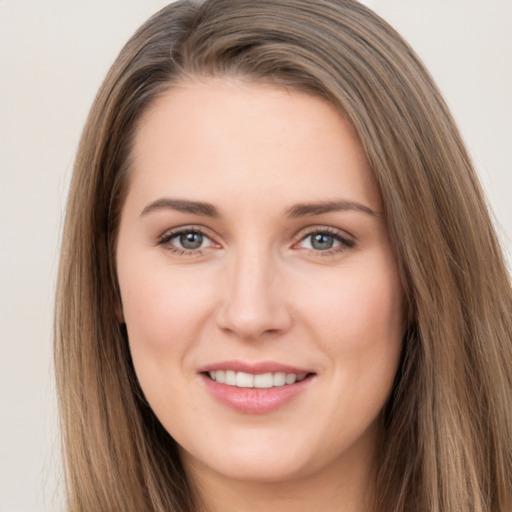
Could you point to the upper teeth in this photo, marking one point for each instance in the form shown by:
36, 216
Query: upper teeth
261, 380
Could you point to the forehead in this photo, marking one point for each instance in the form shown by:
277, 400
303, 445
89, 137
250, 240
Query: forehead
203, 136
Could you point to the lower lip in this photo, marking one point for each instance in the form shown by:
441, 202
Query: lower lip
255, 400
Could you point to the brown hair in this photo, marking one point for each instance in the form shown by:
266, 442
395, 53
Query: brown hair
447, 440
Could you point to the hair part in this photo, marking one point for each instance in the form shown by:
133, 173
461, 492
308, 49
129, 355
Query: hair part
446, 444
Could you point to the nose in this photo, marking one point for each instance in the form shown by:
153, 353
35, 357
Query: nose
253, 300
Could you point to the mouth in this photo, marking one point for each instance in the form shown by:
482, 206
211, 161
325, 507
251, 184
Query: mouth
267, 380
257, 388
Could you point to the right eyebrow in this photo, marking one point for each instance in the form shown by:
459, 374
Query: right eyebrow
181, 205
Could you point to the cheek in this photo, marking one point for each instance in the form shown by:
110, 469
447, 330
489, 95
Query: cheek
164, 310
360, 301
358, 320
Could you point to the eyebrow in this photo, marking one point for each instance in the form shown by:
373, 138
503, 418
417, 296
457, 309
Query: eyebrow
298, 210
307, 209
181, 205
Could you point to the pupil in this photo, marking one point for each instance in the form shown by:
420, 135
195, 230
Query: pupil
191, 240
321, 241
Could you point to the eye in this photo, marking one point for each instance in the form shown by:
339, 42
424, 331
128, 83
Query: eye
186, 240
326, 241
189, 240
321, 241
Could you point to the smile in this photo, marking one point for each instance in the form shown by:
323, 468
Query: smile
260, 380
256, 388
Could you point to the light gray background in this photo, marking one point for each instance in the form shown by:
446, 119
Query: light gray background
53, 56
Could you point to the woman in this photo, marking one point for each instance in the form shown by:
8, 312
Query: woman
280, 287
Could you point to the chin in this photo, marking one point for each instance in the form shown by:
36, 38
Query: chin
258, 463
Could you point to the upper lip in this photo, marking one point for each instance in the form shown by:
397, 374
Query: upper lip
255, 368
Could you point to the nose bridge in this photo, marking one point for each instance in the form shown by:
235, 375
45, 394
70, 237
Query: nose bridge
253, 304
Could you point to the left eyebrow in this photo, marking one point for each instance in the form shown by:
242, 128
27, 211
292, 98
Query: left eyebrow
307, 209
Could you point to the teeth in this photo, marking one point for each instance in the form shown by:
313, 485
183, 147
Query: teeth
244, 380
264, 380
279, 379
230, 378
290, 378
261, 380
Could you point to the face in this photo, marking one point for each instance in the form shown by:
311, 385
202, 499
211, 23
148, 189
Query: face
258, 285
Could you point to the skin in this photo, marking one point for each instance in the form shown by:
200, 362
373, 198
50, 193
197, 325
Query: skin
260, 289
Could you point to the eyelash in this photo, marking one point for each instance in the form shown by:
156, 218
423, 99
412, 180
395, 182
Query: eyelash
344, 242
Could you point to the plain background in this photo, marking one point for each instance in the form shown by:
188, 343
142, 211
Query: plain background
53, 56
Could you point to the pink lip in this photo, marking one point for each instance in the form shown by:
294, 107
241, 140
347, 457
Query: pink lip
254, 368
254, 400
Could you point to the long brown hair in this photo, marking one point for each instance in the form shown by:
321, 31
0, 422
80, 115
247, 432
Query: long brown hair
447, 440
